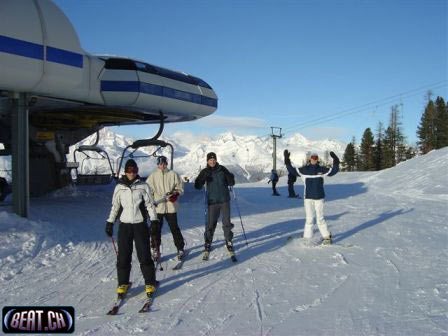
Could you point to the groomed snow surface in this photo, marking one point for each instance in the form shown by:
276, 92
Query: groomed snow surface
387, 273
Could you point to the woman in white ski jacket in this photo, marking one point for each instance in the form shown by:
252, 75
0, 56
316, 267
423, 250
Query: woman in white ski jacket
166, 187
133, 203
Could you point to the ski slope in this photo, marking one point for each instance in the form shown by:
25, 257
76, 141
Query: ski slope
386, 275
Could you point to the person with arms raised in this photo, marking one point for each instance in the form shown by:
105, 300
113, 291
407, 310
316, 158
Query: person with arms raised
313, 175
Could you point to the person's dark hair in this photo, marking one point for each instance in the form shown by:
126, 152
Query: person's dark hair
162, 159
131, 165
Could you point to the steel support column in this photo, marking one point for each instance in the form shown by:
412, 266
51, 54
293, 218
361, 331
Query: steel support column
20, 154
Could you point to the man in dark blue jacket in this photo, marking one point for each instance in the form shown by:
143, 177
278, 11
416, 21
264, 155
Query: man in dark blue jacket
218, 180
313, 178
274, 180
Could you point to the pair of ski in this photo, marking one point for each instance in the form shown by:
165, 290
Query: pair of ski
320, 244
121, 298
232, 255
119, 301
177, 266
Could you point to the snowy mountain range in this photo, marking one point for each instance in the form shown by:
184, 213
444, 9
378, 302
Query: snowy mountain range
248, 157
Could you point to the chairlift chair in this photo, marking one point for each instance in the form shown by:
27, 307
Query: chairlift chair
147, 143
92, 179
144, 143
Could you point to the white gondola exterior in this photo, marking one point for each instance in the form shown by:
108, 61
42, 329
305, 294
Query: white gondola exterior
40, 53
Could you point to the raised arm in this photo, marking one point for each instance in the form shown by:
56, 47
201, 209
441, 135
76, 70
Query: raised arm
334, 170
291, 170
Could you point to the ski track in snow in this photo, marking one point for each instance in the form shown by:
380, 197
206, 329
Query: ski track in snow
392, 280
320, 300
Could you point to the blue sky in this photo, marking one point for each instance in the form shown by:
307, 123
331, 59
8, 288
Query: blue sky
283, 63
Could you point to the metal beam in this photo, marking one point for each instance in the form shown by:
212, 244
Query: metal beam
20, 154
276, 133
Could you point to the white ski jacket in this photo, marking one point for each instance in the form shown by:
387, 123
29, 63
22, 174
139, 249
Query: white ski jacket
133, 199
161, 183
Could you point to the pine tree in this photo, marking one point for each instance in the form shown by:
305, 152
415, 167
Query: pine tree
357, 159
349, 157
394, 140
366, 151
388, 148
378, 155
426, 131
441, 123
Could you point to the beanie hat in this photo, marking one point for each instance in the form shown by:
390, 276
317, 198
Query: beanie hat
130, 163
162, 159
211, 155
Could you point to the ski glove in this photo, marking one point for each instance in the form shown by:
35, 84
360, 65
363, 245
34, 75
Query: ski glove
173, 197
334, 157
286, 155
109, 229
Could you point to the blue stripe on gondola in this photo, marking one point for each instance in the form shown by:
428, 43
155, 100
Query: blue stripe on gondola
121, 86
153, 89
22, 48
33, 50
157, 90
64, 57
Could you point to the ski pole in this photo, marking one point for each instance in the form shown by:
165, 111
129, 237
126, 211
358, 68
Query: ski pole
239, 213
113, 243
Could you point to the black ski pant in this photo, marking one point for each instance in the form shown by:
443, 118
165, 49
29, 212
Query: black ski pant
214, 210
274, 190
291, 191
171, 219
127, 235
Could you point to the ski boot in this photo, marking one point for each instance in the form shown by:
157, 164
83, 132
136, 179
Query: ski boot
207, 248
122, 289
327, 241
276, 194
180, 254
229, 246
150, 290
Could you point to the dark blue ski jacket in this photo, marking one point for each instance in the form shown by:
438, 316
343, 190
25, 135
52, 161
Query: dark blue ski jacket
313, 178
218, 180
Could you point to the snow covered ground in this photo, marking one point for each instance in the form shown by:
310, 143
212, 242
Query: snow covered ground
387, 273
